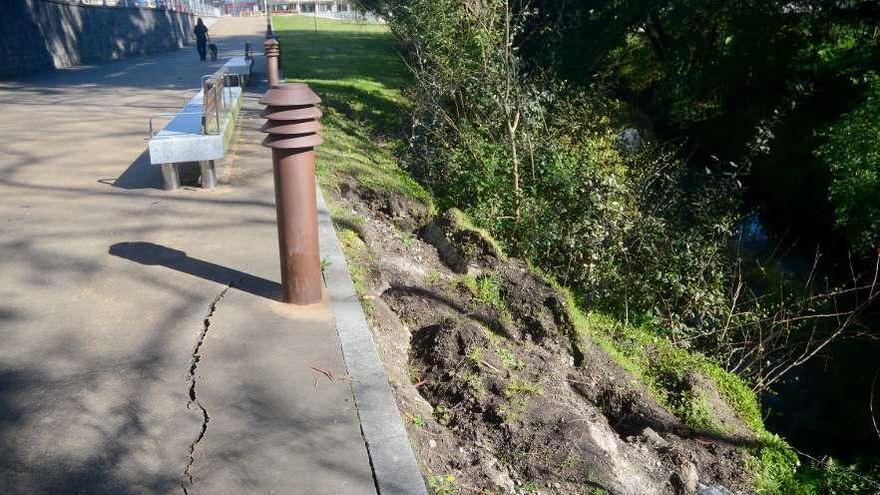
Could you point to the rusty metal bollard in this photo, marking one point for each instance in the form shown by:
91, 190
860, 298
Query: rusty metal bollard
272, 51
293, 132
270, 33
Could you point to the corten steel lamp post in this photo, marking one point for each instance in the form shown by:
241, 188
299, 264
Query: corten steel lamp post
272, 51
269, 32
293, 134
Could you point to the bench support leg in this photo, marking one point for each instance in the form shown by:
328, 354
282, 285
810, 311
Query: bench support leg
209, 174
170, 176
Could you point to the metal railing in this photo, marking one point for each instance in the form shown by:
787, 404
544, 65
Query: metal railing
198, 7
216, 103
216, 99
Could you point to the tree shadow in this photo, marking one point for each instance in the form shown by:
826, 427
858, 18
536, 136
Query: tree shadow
372, 110
63, 34
335, 55
148, 253
151, 71
274, 430
90, 444
6, 314
483, 318
353, 72
58, 33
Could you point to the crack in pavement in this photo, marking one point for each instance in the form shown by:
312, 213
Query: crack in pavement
186, 478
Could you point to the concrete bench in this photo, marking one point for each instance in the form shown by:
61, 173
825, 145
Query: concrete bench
199, 132
240, 67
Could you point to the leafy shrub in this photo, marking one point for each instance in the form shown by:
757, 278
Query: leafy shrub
640, 235
852, 154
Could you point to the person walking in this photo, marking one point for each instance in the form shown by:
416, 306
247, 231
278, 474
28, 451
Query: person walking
201, 32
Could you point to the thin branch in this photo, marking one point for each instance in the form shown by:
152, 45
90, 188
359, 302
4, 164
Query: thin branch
873, 417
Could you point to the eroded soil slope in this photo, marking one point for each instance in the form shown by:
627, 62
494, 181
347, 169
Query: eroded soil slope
502, 394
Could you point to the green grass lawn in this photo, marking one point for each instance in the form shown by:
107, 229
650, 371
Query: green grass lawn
357, 72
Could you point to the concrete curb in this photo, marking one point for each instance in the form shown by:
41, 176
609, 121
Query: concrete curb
395, 469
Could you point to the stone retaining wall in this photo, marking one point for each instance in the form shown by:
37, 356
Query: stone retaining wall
45, 34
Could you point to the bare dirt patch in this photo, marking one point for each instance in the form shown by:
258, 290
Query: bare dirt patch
499, 390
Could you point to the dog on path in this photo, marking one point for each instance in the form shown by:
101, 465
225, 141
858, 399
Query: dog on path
212, 49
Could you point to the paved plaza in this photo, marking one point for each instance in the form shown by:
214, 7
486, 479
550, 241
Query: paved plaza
143, 347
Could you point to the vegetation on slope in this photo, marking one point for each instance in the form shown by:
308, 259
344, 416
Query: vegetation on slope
638, 235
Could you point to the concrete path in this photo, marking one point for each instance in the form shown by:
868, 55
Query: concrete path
143, 350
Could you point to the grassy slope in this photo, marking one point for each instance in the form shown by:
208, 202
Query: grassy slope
357, 71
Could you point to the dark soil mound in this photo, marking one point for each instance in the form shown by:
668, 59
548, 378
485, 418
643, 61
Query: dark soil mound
501, 390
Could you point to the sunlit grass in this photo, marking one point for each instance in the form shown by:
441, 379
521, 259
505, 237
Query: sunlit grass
357, 72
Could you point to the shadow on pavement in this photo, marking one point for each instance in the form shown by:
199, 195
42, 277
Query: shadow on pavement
141, 174
147, 253
22, 473
155, 71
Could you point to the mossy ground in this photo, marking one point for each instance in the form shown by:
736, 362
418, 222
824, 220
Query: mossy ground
660, 365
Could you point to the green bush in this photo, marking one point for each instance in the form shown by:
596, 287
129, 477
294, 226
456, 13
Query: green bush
852, 154
640, 235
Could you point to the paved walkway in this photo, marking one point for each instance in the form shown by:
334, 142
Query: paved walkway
142, 347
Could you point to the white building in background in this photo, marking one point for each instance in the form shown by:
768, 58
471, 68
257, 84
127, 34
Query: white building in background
245, 7
339, 9
310, 6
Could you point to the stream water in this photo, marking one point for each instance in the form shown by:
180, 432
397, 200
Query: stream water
822, 408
